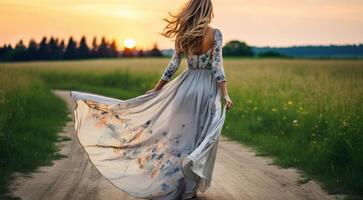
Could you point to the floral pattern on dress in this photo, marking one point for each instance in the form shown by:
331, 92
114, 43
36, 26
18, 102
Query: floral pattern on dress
172, 66
160, 145
212, 60
217, 63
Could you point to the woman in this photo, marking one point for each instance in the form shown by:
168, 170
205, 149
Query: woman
162, 145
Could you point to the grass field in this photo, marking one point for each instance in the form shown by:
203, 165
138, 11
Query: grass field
30, 117
304, 113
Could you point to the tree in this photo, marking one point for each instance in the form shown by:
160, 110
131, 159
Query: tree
103, 49
44, 50
83, 50
113, 49
55, 51
129, 52
2, 51
94, 50
155, 52
271, 54
71, 50
141, 53
19, 53
7, 52
61, 47
237, 48
32, 51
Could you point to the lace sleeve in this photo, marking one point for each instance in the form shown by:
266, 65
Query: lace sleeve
172, 66
217, 62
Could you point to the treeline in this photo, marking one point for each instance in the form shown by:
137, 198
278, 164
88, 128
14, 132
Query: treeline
56, 49
328, 51
236, 48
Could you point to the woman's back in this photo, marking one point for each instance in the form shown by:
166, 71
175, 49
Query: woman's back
203, 60
210, 59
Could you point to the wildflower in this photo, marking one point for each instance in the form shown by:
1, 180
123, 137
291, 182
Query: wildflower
290, 102
274, 110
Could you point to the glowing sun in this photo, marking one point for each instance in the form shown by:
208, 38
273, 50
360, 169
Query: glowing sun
129, 43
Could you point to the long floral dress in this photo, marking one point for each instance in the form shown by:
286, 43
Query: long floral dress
160, 145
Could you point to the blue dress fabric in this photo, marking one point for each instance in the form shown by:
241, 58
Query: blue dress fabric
161, 145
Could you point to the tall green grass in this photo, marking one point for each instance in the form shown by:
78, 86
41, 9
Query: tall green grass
304, 113
307, 114
30, 117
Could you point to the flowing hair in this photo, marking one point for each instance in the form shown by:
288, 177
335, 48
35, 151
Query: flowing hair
189, 25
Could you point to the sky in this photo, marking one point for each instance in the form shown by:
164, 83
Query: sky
258, 22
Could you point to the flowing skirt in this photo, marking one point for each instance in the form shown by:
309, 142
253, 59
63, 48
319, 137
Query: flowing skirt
160, 145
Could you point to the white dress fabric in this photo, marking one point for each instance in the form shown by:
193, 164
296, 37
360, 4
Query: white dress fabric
160, 145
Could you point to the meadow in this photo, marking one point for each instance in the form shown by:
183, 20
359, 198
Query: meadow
304, 113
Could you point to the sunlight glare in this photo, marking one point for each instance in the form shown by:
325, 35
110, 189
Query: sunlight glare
129, 43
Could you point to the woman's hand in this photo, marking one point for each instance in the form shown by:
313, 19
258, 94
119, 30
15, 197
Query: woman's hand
157, 87
228, 102
223, 87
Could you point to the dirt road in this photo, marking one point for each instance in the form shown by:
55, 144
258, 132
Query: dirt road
238, 175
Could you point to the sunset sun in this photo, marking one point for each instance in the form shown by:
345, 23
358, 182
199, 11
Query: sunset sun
130, 43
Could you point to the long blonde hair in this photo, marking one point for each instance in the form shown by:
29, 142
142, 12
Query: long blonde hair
189, 25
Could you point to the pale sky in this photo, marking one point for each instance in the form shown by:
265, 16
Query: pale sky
258, 22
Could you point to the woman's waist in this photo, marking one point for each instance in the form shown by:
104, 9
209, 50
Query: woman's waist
199, 68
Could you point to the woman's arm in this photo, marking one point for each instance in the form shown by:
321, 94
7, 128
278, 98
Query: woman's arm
218, 69
223, 87
168, 72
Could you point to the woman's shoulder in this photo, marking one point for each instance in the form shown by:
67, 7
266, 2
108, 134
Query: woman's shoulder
217, 33
216, 30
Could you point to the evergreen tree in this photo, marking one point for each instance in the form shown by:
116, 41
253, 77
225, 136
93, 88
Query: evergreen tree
141, 53
6, 53
94, 50
62, 47
44, 50
55, 52
113, 49
103, 49
3, 50
71, 50
32, 51
19, 53
83, 50
155, 52
129, 52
